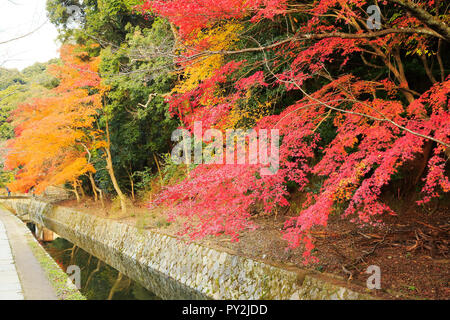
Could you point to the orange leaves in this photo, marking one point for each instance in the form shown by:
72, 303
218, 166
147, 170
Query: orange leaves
54, 131
78, 71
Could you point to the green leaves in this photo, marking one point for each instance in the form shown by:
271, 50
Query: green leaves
17, 87
135, 106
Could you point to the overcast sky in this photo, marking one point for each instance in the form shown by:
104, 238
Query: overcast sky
18, 17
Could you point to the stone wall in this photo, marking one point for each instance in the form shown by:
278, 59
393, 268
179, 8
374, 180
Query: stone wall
175, 270
56, 193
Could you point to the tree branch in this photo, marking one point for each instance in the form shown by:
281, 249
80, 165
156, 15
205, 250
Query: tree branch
24, 35
321, 36
432, 22
382, 118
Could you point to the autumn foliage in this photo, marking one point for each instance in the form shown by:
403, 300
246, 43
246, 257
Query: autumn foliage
55, 133
353, 133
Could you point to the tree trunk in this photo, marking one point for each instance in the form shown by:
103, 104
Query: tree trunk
72, 254
94, 187
83, 195
74, 190
130, 176
101, 198
427, 151
159, 171
175, 36
110, 168
402, 76
89, 262
115, 286
97, 269
97, 190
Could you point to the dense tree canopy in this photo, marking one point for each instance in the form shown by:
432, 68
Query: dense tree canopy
16, 88
57, 130
355, 106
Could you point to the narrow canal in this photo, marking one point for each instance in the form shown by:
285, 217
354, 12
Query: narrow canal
99, 281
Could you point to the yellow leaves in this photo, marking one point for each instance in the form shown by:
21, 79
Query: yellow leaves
347, 186
344, 191
104, 88
248, 116
419, 52
219, 38
100, 144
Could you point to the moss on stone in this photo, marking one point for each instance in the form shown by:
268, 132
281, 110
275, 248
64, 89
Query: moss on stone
58, 278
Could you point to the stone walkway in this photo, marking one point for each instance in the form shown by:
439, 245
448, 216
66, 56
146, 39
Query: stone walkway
10, 287
21, 275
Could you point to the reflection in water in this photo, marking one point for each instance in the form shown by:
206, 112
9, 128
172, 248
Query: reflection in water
99, 281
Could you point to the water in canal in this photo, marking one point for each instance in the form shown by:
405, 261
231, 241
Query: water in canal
99, 281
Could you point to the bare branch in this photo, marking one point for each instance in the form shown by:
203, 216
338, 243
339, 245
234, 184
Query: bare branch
25, 35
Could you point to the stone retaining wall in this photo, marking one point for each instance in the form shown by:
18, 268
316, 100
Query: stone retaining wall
175, 270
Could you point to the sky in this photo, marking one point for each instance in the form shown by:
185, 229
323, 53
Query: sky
17, 18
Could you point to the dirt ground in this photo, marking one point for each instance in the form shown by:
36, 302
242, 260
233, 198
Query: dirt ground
411, 249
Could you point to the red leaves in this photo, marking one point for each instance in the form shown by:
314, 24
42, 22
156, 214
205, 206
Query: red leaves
202, 103
436, 181
192, 15
375, 133
215, 211
217, 199
437, 99
246, 83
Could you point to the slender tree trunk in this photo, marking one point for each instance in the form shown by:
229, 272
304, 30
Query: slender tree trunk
97, 189
427, 69
402, 76
101, 198
132, 184
159, 170
110, 168
115, 286
97, 269
89, 262
94, 187
427, 151
74, 190
175, 36
441, 63
438, 54
72, 254
83, 194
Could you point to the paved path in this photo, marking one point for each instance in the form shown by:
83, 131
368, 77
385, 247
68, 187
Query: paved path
17, 262
10, 287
